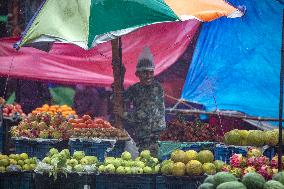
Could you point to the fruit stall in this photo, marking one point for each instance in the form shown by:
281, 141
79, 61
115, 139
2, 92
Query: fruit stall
53, 147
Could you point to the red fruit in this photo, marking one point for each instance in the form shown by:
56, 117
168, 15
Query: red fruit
86, 117
5, 110
82, 125
91, 126
266, 171
18, 106
89, 121
71, 120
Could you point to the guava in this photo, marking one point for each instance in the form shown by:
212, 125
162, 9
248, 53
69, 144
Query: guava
145, 154
101, 168
78, 155
140, 164
120, 170
52, 152
79, 168
127, 170
110, 168
126, 156
147, 170
24, 156
46, 160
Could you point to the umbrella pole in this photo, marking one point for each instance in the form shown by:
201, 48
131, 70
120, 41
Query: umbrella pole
118, 78
281, 99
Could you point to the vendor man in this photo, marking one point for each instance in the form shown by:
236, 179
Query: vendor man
146, 115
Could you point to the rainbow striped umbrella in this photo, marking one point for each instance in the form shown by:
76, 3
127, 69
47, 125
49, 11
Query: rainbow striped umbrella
87, 23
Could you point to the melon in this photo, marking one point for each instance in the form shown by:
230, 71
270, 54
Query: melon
273, 184
255, 138
222, 177
178, 169
209, 168
209, 179
279, 177
194, 167
232, 185
206, 186
253, 181
205, 156
178, 156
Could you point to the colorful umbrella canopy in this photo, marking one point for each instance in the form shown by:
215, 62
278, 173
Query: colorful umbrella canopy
90, 22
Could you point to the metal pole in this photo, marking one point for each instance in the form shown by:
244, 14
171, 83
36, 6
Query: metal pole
281, 99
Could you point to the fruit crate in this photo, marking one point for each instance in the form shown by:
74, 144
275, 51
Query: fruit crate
167, 147
38, 149
114, 181
183, 182
91, 148
69, 181
117, 150
224, 152
270, 152
17, 180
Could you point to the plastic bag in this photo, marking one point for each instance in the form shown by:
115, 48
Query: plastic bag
131, 147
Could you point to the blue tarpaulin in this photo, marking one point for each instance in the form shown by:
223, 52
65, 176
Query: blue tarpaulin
236, 63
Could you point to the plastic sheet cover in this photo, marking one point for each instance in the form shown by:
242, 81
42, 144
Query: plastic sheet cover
236, 63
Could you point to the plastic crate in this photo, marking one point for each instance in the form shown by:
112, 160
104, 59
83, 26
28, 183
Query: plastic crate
112, 181
270, 152
117, 150
223, 153
69, 181
97, 149
184, 182
38, 149
167, 147
19, 180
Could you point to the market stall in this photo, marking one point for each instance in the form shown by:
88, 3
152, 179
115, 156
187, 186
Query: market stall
190, 150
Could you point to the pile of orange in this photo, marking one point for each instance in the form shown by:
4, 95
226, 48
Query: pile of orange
65, 110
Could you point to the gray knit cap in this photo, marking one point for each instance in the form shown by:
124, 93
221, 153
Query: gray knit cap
145, 60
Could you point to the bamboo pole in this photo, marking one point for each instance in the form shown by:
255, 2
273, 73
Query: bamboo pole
118, 78
281, 99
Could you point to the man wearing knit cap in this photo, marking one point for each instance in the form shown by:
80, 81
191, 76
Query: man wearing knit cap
147, 115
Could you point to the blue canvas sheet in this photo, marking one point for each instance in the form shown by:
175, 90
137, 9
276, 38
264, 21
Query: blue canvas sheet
236, 63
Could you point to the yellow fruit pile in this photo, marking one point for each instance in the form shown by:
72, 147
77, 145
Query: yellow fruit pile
65, 110
19, 162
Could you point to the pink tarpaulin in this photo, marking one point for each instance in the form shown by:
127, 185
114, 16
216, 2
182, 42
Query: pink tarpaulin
66, 63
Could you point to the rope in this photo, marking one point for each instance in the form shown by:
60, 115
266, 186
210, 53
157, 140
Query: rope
6, 83
180, 101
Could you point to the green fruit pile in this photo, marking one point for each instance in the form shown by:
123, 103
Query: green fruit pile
64, 162
191, 163
251, 137
144, 164
17, 162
